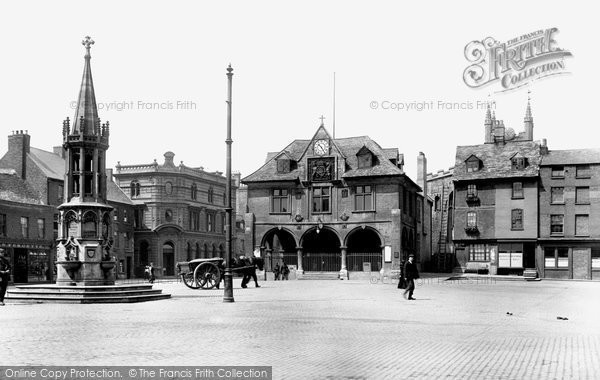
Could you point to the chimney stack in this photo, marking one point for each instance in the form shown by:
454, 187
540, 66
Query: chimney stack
59, 150
18, 148
237, 179
544, 147
488, 126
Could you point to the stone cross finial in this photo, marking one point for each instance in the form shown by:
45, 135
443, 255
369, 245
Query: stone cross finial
322, 118
87, 42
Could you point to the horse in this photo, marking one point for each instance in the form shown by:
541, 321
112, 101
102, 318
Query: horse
248, 267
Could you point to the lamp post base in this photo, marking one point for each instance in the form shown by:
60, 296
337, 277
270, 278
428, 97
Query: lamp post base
228, 282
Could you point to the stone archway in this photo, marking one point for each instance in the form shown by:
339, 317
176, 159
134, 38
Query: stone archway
168, 256
144, 253
321, 250
364, 246
279, 244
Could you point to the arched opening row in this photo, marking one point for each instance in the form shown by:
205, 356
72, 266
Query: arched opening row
320, 250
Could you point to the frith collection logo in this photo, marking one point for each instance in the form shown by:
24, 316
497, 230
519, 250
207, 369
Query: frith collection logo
514, 63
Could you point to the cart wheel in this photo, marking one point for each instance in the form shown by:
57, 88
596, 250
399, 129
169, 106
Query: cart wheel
189, 281
207, 275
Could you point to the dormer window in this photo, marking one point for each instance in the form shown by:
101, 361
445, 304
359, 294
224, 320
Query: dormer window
519, 162
365, 161
283, 165
473, 164
365, 158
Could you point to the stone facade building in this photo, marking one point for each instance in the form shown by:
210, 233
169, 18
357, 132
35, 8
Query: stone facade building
569, 241
179, 212
339, 207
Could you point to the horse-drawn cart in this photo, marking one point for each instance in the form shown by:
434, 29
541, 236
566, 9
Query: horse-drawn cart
208, 273
202, 273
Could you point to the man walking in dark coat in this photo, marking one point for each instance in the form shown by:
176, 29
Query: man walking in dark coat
4, 275
411, 273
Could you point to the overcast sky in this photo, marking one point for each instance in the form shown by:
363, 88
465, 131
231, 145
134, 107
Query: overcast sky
284, 55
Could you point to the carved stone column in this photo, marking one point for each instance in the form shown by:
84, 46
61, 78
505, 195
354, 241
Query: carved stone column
300, 269
344, 270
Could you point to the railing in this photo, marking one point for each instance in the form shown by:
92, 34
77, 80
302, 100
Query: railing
322, 262
290, 258
355, 261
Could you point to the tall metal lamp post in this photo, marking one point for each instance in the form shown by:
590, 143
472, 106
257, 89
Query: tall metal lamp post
228, 293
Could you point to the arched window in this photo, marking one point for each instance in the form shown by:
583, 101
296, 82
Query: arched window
168, 216
211, 194
210, 223
89, 224
436, 203
194, 191
70, 222
135, 188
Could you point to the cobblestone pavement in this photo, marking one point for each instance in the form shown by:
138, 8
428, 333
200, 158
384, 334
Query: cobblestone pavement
329, 330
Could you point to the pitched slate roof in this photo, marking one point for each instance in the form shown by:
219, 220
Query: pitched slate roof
50, 163
115, 194
571, 157
348, 147
13, 188
53, 166
496, 160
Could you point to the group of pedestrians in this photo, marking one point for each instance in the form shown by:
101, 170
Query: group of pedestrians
281, 272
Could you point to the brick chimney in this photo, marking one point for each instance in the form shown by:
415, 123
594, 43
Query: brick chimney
59, 151
237, 179
544, 147
18, 148
109, 174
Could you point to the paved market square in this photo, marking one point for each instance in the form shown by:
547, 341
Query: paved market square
329, 330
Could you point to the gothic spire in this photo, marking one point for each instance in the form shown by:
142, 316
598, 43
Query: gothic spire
528, 120
528, 116
86, 113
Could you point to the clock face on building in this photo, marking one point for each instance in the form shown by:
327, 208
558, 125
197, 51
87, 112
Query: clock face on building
321, 147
